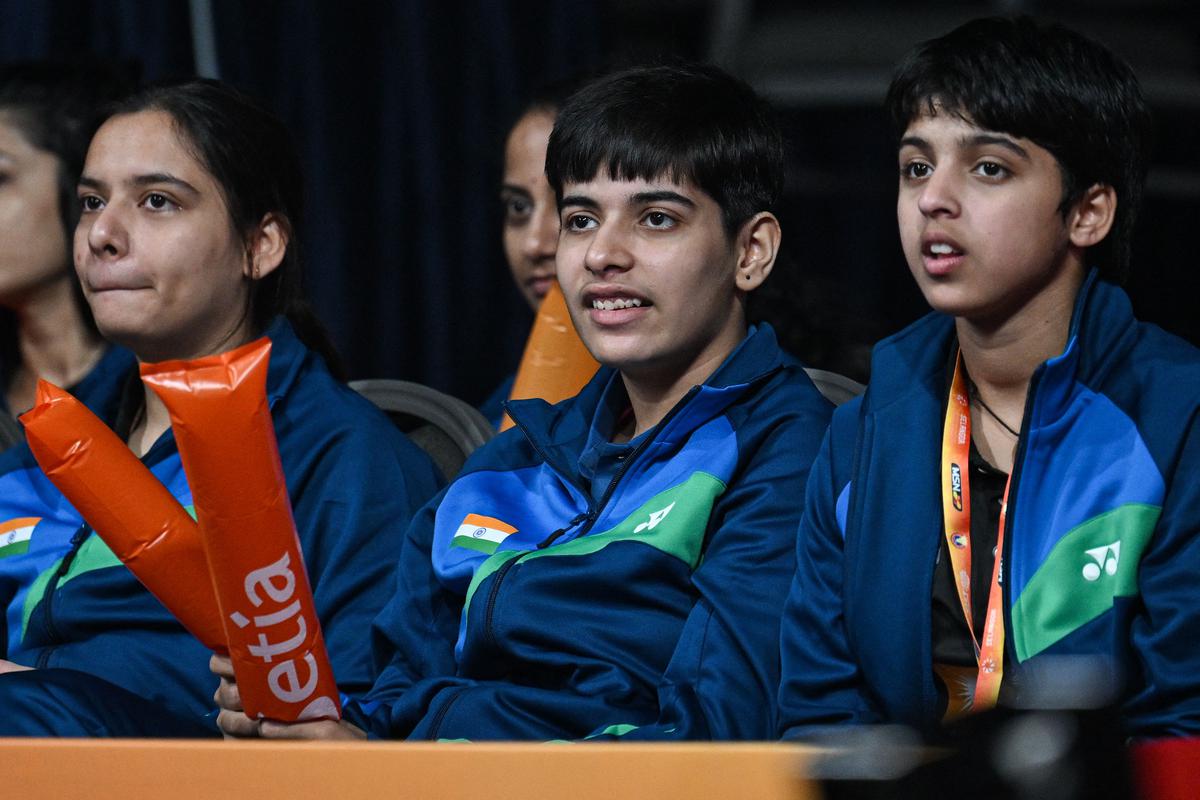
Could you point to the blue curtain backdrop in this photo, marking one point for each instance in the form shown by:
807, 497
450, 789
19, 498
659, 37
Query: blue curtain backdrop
399, 110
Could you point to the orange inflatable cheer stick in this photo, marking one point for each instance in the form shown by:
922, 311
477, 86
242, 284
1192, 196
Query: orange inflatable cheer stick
555, 364
127, 506
219, 412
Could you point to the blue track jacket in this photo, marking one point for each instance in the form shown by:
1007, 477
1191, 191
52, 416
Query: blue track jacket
534, 603
1102, 543
354, 481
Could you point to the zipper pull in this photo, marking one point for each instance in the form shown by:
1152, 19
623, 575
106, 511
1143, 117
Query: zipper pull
79, 535
549, 540
77, 539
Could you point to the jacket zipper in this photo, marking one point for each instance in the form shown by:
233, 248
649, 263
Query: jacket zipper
588, 518
436, 725
1010, 651
52, 634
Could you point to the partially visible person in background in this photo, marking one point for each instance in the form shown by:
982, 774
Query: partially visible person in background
48, 113
530, 213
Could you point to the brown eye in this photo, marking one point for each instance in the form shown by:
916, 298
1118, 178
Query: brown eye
916, 169
658, 219
990, 169
580, 222
158, 202
516, 208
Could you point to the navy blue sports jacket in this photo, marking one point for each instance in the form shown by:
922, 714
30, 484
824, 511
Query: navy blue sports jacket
1100, 553
564, 587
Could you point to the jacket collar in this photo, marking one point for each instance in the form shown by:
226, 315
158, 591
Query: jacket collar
118, 404
288, 355
913, 362
561, 431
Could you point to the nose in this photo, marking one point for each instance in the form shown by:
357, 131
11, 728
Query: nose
107, 236
939, 194
541, 239
608, 250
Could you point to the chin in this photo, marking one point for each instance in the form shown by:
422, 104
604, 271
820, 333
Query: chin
947, 298
620, 356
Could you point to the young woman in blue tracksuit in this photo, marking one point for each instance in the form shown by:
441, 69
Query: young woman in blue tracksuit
1011, 509
187, 247
615, 565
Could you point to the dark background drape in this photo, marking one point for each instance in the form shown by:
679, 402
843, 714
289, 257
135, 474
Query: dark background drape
399, 110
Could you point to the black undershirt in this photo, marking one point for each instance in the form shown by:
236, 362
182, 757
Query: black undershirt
951, 637
952, 642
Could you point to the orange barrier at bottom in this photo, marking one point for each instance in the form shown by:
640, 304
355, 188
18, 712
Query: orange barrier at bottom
183, 770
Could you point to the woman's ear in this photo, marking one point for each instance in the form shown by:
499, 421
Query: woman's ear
267, 246
1093, 216
758, 245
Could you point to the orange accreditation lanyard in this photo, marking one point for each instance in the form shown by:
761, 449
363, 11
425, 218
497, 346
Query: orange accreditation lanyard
956, 511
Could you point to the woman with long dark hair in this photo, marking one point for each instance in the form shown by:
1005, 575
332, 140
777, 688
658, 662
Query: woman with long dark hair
187, 246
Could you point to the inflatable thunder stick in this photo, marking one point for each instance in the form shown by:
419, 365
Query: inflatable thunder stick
126, 506
555, 364
222, 424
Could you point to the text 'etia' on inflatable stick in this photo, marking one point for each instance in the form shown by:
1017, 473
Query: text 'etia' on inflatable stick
222, 423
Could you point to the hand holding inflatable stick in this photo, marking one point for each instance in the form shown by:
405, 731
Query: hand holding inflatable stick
127, 506
222, 423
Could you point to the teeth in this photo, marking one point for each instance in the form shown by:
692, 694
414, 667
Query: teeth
612, 305
941, 249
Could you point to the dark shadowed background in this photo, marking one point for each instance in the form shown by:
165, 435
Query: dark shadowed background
399, 110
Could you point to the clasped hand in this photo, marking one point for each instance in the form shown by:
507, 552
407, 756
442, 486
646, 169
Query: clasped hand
234, 723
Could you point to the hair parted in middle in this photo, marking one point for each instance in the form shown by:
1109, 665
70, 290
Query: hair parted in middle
685, 122
250, 154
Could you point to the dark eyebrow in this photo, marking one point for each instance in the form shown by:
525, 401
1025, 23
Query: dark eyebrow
661, 196
90, 183
155, 178
578, 200
980, 139
514, 189
977, 140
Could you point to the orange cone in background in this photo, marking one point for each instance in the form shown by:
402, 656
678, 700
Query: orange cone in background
126, 506
219, 412
555, 364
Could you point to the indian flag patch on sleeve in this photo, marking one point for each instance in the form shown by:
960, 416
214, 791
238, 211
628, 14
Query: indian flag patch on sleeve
15, 535
481, 533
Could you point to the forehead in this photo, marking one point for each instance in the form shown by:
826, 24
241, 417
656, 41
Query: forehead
949, 130
145, 141
525, 149
13, 140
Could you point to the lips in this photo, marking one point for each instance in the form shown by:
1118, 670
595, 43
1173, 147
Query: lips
612, 304
111, 278
941, 254
540, 284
